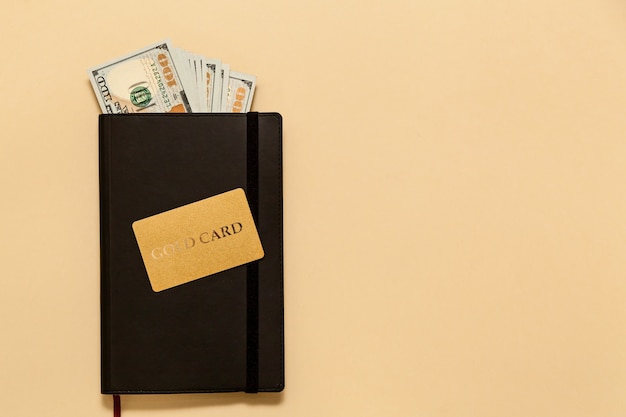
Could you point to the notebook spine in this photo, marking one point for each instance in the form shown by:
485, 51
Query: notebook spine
104, 164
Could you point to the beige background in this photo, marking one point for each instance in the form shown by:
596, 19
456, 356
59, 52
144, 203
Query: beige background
455, 208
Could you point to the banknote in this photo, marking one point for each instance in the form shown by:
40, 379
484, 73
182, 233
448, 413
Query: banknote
240, 91
146, 81
164, 79
182, 61
224, 77
212, 67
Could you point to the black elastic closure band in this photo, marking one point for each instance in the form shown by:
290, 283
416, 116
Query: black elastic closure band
117, 406
252, 281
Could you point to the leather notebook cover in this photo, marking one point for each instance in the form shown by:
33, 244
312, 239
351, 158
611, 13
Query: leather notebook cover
219, 333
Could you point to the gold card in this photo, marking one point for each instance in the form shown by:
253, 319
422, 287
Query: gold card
198, 239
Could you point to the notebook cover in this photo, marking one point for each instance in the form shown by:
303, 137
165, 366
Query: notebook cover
221, 333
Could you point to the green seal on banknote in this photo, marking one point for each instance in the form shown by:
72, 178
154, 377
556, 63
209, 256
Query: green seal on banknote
140, 96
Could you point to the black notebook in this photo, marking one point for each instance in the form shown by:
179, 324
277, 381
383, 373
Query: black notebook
219, 333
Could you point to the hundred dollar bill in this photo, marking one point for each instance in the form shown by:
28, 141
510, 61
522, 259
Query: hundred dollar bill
224, 76
212, 82
143, 81
240, 92
200, 81
182, 62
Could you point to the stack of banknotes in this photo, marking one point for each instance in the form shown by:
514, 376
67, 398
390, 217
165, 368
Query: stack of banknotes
164, 79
